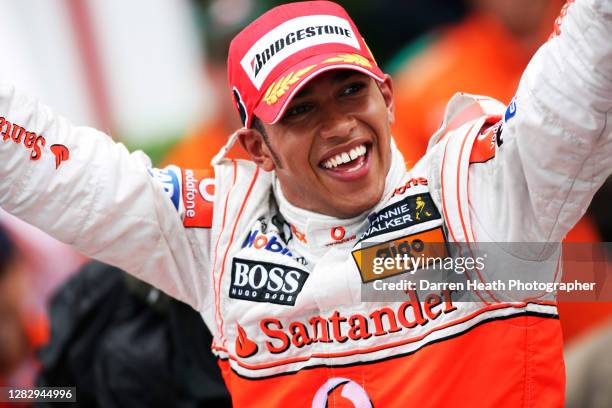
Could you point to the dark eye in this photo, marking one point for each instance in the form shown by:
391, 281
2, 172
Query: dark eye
352, 88
297, 110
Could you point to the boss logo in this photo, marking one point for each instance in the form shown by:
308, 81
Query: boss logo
266, 282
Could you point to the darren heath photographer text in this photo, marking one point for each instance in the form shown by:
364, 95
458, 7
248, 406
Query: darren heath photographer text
460, 265
497, 285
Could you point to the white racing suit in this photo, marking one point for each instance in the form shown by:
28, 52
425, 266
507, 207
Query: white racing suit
281, 287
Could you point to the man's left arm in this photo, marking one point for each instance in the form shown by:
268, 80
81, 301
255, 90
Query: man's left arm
554, 148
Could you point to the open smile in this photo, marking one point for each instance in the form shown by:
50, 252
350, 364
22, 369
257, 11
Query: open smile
349, 164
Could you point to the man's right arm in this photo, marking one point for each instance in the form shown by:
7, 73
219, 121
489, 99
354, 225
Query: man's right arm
79, 186
553, 148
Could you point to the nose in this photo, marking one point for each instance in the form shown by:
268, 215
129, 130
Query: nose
336, 123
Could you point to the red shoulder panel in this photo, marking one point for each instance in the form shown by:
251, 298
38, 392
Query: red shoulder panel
486, 143
198, 197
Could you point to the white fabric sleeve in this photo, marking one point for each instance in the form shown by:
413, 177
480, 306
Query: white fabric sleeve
82, 188
555, 147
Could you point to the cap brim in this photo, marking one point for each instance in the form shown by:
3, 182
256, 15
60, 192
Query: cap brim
279, 93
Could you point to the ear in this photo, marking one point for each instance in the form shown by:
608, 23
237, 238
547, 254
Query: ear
386, 89
254, 144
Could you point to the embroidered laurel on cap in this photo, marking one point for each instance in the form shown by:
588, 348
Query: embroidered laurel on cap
280, 87
350, 58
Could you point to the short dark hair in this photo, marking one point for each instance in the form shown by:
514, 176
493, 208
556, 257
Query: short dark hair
259, 126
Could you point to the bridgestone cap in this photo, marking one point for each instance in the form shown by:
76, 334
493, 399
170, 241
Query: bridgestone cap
278, 53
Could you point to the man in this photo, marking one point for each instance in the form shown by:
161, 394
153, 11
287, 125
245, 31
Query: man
276, 269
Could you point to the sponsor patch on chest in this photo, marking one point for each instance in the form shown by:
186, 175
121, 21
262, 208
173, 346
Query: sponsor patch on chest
400, 255
412, 210
259, 281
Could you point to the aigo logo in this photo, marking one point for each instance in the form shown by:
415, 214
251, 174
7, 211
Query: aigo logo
425, 245
338, 388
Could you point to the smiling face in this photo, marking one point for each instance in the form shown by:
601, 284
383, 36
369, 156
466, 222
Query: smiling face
331, 148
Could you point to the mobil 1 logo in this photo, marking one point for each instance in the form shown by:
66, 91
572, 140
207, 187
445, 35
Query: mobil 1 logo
266, 282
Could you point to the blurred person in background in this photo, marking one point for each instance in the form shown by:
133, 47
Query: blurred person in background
32, 266
22, 329
589, 369
48, 262
219, 21
588, 358
484, 54
123, 343
15, 345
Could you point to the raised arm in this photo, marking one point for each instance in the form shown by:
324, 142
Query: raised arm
554, 148
79, 186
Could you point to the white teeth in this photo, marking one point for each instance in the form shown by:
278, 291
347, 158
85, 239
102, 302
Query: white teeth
345, 157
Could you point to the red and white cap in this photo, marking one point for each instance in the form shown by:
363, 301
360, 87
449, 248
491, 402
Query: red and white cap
277, 54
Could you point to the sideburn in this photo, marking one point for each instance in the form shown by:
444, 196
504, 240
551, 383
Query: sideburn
258, 125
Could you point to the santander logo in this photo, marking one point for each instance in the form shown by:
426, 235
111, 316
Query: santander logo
61, 154
245, 347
